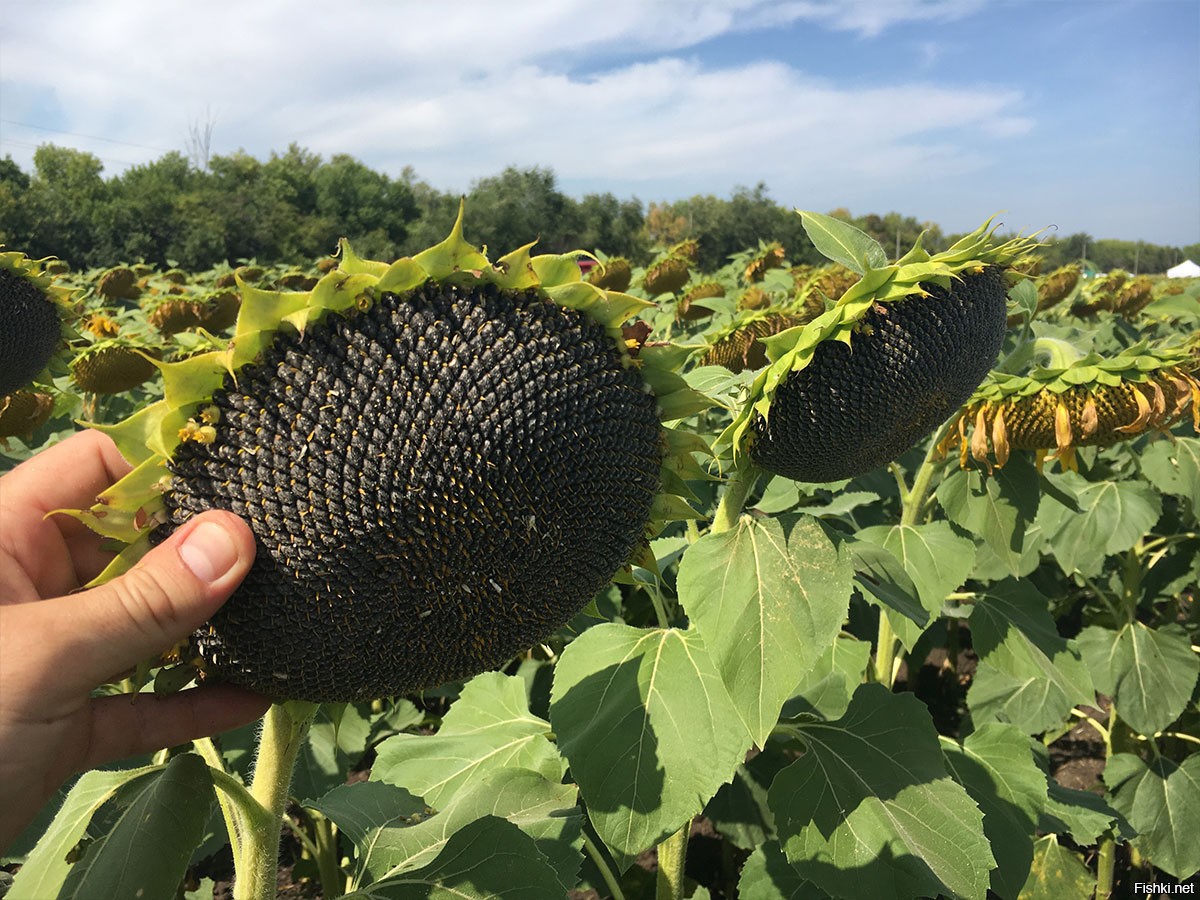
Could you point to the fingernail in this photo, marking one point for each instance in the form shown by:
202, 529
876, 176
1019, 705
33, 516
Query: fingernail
208, 551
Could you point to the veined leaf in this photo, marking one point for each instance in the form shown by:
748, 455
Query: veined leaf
995, 508
767, 875
842, 242
1056, 873
1149, 673
1113, 516
489, 859
489, 727
648, 728
43, 873
146, 854
767, 604
1162, 801
869, 810
1027, 674
1174, 467
995, 764
395, 832
936, 559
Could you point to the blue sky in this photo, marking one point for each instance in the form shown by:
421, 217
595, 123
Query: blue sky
1083, 115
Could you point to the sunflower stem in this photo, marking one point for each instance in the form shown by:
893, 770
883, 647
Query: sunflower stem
672, 856
912, 505
284, 729
737, 490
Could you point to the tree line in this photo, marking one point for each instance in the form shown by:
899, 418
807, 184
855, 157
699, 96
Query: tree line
292, 208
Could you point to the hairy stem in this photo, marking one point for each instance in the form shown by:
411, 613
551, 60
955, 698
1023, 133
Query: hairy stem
284, 729
672, 855
737, 490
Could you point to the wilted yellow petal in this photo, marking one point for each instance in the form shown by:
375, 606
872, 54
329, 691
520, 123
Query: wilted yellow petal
1089, 419
1066, 459
1158, 405
979, 441
1062, 425
1143, 416
1039, 458
1000, 438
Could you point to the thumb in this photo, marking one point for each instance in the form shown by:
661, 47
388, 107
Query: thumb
171, 591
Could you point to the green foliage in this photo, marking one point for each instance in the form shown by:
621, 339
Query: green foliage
747, 668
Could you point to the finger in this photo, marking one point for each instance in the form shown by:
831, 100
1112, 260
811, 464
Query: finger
133, 724
58, 553
69, 475
176, 587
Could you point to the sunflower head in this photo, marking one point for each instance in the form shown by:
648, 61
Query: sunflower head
1091, 402
442, 458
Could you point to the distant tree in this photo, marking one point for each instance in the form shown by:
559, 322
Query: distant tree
61, 203
139, 219
517, 206
612, 225
372, 210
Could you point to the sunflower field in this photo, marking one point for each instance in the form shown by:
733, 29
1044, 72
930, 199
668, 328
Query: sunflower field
914, 614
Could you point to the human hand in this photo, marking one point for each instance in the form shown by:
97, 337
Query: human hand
56, 647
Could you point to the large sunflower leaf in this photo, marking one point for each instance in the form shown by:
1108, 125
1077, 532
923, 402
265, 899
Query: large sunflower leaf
1028, 674
1162, 801
994, 508
1149, 673
996, 766
648, 727
489, 727
1174, 467
489, 859
768, 603
1056, 873
1111, 517
869, 809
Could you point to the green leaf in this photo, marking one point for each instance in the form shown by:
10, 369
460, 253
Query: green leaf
336, 739
395, 832
489, 859
147, 853
827, 688
936, 559
996, 509
1174, 467
1149, 673
648, 728
47, 868
843, 243
489, 727
883, 581
869, 810
1023, 299
767, 875
1112, 516
740, 811
767, 605
996, 766
1081, 814
1162, 801
1056, 873
1027, 674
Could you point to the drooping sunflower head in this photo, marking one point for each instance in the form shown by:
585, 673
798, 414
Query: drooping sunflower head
35, 311
442, 459
1091, 402
894, 357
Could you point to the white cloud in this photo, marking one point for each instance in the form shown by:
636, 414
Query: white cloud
621, 96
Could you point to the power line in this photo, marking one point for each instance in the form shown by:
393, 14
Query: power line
90, 137
11, 142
